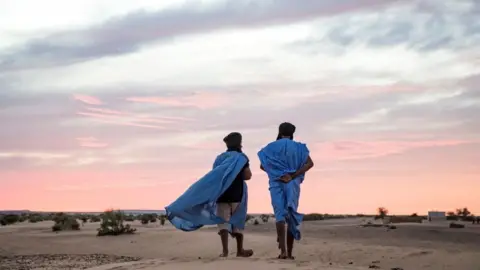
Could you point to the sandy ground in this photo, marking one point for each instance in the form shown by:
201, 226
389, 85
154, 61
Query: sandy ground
328, 245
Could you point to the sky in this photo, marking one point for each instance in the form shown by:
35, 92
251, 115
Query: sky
124, 104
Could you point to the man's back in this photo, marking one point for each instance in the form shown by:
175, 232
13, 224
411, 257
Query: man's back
234, 193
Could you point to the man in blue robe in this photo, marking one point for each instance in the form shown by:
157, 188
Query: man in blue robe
286, 161
219, 197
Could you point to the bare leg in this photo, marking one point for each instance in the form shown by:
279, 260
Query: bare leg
224, 237
290, 241
281, 239
241, 252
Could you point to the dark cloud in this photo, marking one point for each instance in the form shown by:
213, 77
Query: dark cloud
129, 33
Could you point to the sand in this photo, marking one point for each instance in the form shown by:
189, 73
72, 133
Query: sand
328, 245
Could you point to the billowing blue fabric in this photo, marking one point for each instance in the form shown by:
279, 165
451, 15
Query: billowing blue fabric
197, 206
279, 158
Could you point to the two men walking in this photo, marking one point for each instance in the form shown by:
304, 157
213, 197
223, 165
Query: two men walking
220, 197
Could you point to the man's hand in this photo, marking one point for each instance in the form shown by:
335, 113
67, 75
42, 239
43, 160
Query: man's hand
286, 178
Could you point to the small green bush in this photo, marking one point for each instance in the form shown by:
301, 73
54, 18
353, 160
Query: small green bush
313, 217
265, 218
112, 224
65, 222
56, 228
95, 218
11, 219
35, 219
130, 218
144, 219
163, 218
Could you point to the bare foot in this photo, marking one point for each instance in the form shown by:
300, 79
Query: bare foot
245, 253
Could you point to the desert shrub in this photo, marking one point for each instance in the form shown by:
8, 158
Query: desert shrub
313, 217
144, 219
95, 218
129, 218
112, 224
56, 228
265, 218
84, 219
65, 222
10, 219
382, 212
35, 218
255, 222
48, 216
406, 219
163, 218
22, 217
249, 217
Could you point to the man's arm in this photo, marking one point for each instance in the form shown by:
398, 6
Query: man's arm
308, 165
247, 173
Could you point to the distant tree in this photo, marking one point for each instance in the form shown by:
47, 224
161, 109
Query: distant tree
382, 212
451, 214
463, 212
414, 215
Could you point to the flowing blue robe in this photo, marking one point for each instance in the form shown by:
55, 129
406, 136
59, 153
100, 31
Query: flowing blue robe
279, 158
197, 206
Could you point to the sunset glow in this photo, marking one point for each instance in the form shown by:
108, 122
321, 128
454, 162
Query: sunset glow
123, 104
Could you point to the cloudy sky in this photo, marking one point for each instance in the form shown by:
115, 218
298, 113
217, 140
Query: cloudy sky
124, 104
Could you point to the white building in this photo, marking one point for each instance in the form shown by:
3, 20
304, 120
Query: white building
436, 215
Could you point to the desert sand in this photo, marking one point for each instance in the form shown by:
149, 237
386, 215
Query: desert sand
329, 245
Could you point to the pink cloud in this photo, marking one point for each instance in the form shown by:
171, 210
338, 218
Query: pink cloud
88, 99
91, 142
199, 100
348, 150
105, 111
116, 117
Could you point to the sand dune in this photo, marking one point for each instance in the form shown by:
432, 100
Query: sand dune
327, 245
